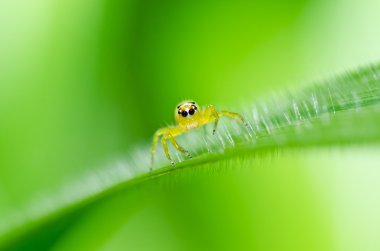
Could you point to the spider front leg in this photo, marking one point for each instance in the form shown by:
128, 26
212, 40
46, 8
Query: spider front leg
178, 147
167, 133
166, 150
156, 137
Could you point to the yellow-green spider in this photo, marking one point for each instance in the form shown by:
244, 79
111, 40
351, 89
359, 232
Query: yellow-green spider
188, 115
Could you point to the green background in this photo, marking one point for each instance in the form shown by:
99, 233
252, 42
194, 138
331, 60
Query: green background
82, 82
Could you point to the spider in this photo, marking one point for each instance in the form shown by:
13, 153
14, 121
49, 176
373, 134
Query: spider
188, 115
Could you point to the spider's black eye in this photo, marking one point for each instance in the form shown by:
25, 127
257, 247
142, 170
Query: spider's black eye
191, 111
195, 107
184, 113
179, 112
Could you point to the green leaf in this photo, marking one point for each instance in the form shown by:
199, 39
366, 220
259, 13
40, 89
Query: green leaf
341, 111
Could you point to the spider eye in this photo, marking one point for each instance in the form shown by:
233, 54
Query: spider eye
184, 113
191, 111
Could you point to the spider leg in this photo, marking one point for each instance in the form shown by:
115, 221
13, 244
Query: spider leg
166, 150
234, 115
167, 133
215, 123
156, 137
178, 147
211, 114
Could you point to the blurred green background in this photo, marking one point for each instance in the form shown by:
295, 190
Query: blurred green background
84, 81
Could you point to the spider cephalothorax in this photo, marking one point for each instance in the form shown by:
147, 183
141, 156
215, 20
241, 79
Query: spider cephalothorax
188, 115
